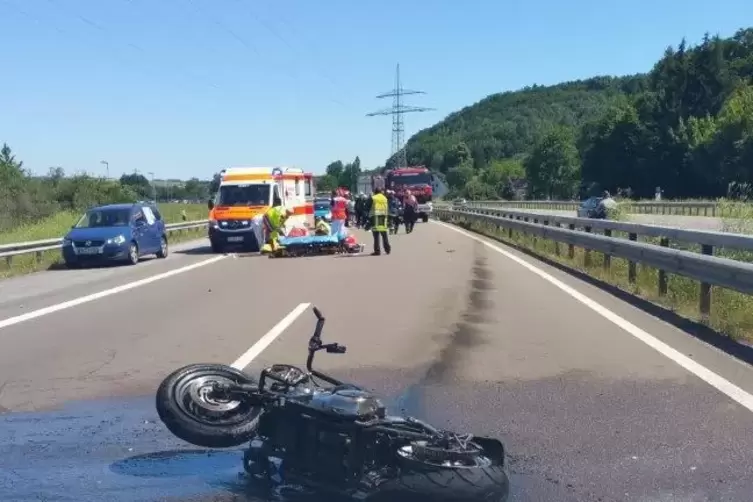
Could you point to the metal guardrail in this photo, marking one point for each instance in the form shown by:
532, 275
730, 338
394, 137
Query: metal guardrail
703, 238
8, 251
708, 270
689, 208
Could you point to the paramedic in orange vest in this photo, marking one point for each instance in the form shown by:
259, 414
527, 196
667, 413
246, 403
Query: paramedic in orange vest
339, 206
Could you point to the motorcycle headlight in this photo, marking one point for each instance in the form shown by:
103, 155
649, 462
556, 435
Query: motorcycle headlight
116, 240
212, 223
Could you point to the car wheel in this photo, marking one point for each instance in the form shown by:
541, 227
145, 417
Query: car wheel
133, 254
163, 250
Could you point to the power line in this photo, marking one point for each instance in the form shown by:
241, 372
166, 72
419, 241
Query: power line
191, 77
397, 111
270, 28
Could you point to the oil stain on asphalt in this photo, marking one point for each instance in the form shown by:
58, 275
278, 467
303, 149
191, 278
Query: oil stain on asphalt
111, 450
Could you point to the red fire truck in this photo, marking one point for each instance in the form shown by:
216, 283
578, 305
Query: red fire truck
417, 179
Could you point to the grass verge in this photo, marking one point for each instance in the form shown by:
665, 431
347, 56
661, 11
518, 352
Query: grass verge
60, 223
731, 312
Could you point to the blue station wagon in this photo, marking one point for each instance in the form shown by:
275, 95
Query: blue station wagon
116, 233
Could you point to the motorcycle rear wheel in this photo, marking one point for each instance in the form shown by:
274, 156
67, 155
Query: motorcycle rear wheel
187, 407
470, 476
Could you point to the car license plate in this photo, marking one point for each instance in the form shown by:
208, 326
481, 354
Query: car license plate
238, 238
88, 250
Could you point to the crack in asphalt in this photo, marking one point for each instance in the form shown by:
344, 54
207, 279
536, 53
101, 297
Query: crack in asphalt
106, 362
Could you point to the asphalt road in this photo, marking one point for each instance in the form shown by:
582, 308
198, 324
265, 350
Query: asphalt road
446, 328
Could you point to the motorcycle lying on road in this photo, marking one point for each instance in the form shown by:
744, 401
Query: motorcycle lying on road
308, 429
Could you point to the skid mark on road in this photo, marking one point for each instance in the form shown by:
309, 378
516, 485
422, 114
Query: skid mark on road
464, 337
466, 334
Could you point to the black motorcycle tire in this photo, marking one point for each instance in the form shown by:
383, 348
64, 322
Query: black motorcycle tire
426, 481
187, 427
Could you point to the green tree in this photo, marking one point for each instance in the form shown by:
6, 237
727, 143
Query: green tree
138, 184
553, 168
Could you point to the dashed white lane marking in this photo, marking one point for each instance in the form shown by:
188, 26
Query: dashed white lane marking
269, 337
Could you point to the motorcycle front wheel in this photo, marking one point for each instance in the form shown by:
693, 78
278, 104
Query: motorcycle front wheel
189, 408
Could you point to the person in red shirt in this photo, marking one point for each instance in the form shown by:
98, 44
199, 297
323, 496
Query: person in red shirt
339, 205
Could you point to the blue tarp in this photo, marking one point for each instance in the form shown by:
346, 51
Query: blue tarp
312, 239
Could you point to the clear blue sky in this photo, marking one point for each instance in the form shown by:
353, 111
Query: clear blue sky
185, 87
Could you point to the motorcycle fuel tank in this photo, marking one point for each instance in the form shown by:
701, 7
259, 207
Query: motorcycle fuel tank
351, 402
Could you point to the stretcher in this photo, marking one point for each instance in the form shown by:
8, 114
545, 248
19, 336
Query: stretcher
315, 245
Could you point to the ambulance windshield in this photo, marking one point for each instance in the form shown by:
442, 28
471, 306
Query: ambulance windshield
256, 194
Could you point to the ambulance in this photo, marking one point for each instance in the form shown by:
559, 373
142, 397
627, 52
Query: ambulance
245, 193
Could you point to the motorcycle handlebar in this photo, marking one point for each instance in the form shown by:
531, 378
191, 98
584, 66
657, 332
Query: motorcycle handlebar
315, 343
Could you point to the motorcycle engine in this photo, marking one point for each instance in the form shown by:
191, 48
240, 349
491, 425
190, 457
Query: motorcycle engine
349, 402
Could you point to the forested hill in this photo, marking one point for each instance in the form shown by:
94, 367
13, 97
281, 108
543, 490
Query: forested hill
686, 125
507, 124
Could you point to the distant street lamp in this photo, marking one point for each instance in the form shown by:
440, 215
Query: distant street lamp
107, 168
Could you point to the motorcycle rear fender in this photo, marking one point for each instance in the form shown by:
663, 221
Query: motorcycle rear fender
493, 448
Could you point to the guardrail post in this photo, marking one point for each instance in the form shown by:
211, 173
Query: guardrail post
631, 264
38, 256
570, 247
8, 261
533, 245
556, 243
607, 256
704, 304
663, 242
587, 252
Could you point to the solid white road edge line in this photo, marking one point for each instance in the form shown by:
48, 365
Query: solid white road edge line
102, 294
718, 382
264, 342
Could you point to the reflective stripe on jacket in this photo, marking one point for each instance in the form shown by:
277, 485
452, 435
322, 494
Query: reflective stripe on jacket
379, 210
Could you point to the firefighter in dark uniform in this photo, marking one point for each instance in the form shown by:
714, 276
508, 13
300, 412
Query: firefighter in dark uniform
379, 215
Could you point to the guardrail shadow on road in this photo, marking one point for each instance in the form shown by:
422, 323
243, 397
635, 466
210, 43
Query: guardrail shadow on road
699, 331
